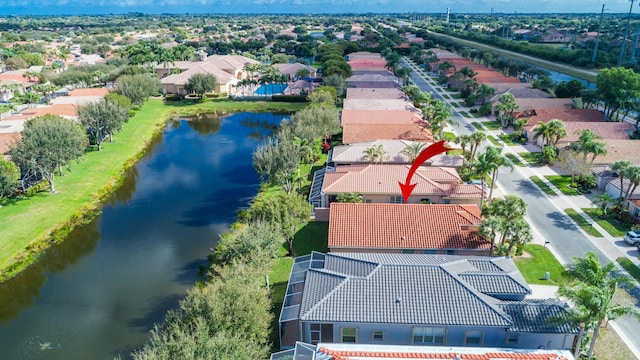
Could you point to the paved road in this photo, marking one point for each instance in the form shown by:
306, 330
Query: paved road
547, 219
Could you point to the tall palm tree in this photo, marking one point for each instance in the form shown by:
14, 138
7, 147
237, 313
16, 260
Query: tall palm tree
556, 131
542, 130
489, 227
633, 174
484, 92
506, 105
592, 292
477, 138
603, 201
519, 232
439, 114
464, 141
494, 160
620, 167
414, 149
587, 144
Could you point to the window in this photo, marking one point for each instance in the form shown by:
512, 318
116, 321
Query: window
396, 200
447, 201
315, 333
368, 201
378, 336
473, 337
428, 335
512, 339
451, 252
408, 251
349, 335
320, 333
429, 252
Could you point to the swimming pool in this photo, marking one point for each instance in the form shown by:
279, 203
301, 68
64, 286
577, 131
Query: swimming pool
270, 89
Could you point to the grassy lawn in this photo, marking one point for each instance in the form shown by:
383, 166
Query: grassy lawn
29, 224
533, 158
582, 222
507, 139
562, 182
449, 136
456, 96
610, 224
538, 263
611, 347
514, 159
477, 125
455, 104
492, 125
446, 96
464, 114
494, 141
544, 187
630, 267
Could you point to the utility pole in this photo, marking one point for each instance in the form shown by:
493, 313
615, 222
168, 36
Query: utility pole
595, 48
626, 33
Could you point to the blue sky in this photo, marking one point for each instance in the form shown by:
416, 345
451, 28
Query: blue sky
36, 7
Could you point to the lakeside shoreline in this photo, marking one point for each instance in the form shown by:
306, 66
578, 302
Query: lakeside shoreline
83, 192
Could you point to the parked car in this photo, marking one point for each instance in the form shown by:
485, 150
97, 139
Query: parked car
632, 237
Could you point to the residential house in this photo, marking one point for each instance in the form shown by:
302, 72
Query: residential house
368, 65
380, 104
538, 104
81, 96
450, 229
417, 299
587, 118
378, 183
291, 70
227, 69
346, 351
376, 93
373, 81
367, 125
605, 130
620, 150
358, 55
355, 154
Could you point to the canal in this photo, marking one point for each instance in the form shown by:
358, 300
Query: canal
97, 295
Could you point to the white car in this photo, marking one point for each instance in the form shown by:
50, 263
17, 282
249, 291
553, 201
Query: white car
632, 237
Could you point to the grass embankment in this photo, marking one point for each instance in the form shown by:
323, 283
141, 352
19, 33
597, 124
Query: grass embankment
542, 185
563, 182
31, 224
630, 267
610, 224
582, 222
540, 261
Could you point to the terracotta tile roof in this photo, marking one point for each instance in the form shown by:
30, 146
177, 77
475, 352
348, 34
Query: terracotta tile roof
620, 150
383, 179
6, 139
536, 116
380, 117
68, 110
406, 226
366, 355
606, 130
13, 78
367, 64
543, 104
375, 93
379, 104
90, 92
353, 133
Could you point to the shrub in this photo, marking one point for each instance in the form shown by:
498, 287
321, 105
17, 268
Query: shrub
289, 98
173, 97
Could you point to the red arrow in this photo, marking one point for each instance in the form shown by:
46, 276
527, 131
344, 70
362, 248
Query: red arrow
428, 152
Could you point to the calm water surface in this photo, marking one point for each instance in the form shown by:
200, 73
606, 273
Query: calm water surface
99, 293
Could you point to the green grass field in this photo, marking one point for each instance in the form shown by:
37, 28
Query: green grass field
29, 223
584, 224
533, 158
610, 224
544, 187
540, 261
507, 139
630, 267
562, 182
514, 159
494, 141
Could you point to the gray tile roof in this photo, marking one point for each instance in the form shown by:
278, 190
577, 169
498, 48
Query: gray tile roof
317, 286
493, 284
537, 316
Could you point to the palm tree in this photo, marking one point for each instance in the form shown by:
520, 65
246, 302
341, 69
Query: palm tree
477, 138
542, 130
620, 167
414, 149
587, 144
556, 131
485, 91
350, 197
481, 168
519, 233
492, 158
603, 201
506, 105
633, 174
463, 141
592, 292
376, 154
489, 227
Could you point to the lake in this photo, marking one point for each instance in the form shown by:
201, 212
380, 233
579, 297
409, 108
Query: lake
97, 295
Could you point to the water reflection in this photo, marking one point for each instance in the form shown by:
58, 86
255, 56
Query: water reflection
263, 124
21, 291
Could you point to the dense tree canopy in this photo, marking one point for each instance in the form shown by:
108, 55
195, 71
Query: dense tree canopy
201, 84
48, 143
